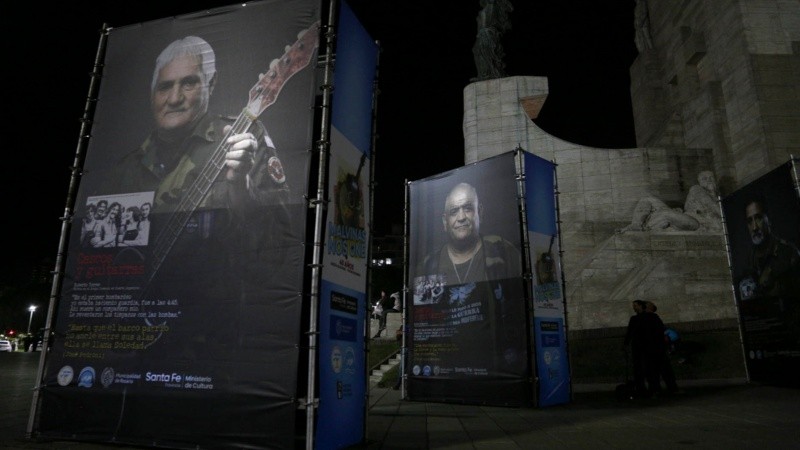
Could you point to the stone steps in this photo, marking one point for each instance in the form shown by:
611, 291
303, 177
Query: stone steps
377, 374
393, 322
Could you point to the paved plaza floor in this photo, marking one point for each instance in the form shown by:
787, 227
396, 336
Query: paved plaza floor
708, 414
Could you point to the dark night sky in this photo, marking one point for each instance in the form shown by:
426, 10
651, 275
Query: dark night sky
585, 49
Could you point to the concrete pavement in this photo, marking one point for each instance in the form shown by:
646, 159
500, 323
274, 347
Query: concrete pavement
709, 414
718, 414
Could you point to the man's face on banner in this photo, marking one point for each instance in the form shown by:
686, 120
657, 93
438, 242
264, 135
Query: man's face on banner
180, 95
113, 211
100, 212
461, 216
757, 223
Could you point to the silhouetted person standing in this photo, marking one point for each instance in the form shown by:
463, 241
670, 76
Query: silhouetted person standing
667, 374
645, 335
387, 305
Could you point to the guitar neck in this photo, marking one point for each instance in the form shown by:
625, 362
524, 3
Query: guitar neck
194, 196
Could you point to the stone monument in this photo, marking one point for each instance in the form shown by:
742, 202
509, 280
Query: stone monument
713, 99
493, 22
681, 266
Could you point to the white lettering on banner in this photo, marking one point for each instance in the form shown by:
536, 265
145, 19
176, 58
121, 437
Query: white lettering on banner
163, 377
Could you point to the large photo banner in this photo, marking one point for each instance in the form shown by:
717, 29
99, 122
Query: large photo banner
549, 311
342, 312
763, 225
178, 323
468, 315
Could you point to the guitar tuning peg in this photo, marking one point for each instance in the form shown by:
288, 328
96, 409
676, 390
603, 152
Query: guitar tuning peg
301, 34
273, 63
287, 48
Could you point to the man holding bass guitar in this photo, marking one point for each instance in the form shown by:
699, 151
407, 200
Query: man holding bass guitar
219, 195
185, 136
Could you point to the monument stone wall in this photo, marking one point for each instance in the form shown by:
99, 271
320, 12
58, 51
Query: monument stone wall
714, 88
684, 272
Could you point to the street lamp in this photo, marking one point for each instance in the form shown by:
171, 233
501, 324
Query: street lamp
31, 309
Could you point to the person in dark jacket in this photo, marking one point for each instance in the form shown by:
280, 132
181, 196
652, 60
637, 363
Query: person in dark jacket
667, 374
645, 336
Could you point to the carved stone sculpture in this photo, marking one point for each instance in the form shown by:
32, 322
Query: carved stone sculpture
641, 19
702, 203
493, 22
700, 213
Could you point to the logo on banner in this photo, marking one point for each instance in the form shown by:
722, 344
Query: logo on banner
65, 375
86, 378
107, 377
336, 359
275, 169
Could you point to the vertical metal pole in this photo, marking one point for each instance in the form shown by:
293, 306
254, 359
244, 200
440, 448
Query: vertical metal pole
66, 220
527, 264
527, 271
733, 288
372, 184
556, 193
30, 320
323, 146
404, 320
